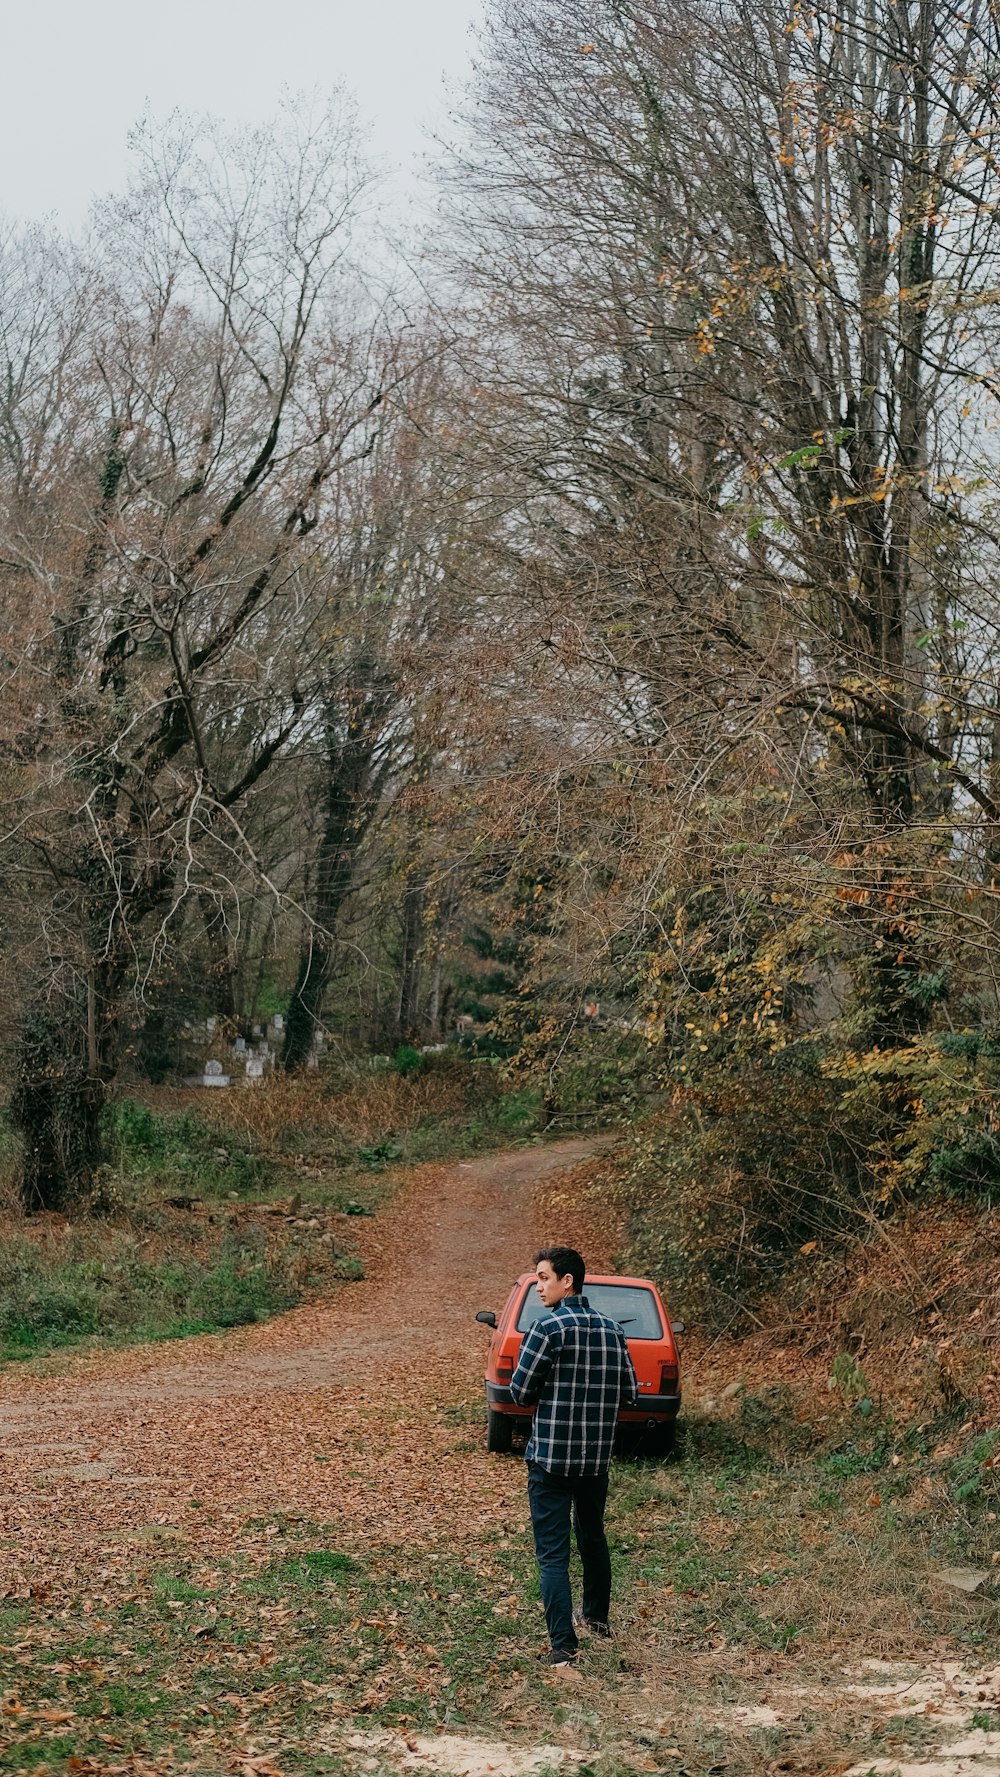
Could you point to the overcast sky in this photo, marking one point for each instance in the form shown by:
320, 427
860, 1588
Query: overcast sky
79, 75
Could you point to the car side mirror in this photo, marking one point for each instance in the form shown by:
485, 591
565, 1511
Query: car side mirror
487, 1316
677, 1326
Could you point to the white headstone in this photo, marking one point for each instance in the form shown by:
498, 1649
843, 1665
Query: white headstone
210, 1023
255, 1032
240, 1045
278, 1021
255, 1069
312, 1059
213, 1075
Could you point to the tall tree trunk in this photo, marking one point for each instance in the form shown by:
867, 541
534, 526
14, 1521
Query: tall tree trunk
222, 965
438, 995
348, 813
305, 1008
56, 1110
434, 1002
408, 999
67, 1058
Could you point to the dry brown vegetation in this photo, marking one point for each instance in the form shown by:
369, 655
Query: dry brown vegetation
364, 1112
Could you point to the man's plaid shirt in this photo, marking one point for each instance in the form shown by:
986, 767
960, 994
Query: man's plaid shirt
575, 1364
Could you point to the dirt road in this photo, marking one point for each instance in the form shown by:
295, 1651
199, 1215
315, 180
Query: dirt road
120, 1439
200, 1468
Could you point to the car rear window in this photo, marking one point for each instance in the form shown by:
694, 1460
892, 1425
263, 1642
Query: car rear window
633, 1307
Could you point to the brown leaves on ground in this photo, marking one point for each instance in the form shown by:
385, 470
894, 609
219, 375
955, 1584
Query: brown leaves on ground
199, 1437
356, 1424
361, 1414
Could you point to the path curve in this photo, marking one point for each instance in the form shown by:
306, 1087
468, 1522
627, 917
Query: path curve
125, 1438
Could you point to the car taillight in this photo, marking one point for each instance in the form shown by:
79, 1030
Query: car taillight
668, 1378
505, 1369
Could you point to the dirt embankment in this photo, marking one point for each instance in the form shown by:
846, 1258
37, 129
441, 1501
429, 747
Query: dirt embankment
913, 1303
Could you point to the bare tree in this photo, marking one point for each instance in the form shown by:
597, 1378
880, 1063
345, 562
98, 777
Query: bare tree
159, 531
390, 600
728, 271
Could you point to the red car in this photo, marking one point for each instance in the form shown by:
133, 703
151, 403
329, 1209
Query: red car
636, 1305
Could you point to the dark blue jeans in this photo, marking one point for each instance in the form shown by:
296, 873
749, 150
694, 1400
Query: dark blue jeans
555, 1502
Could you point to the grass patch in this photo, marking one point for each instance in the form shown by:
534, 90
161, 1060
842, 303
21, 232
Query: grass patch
733, 1561
160, 1272
317, 1565
354, 1118
95, 1281
501, 1120
390, 1641
183, 1154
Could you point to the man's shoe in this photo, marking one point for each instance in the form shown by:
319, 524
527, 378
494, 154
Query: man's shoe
594, 1627
560, 1656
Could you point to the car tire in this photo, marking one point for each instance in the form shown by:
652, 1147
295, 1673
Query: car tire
650, 1443
663, 1440
499, 1432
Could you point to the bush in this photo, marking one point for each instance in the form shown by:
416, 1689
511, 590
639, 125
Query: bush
974, 1474
380, 1154
181, 1154
58, 1290
136, 1131
588, 1077
942, 1091
722, 1192
407, 1060
518, 1112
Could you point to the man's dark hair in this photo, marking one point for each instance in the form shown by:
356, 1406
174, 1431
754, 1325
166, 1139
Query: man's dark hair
564, 1259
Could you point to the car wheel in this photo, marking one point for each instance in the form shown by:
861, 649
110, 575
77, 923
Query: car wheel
499, 1432
651, 1443
664, 1439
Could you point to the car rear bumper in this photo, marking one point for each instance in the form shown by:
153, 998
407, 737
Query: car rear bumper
499, 1399
649, 1407
658, 1407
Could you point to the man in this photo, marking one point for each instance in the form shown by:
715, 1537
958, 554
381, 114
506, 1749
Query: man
575, 1365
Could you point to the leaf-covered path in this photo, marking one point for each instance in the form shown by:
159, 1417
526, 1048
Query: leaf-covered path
119, 1440
284, 1552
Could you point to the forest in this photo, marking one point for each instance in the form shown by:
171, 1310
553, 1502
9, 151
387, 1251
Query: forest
558, 640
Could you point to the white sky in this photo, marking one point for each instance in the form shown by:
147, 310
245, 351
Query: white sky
79, 74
